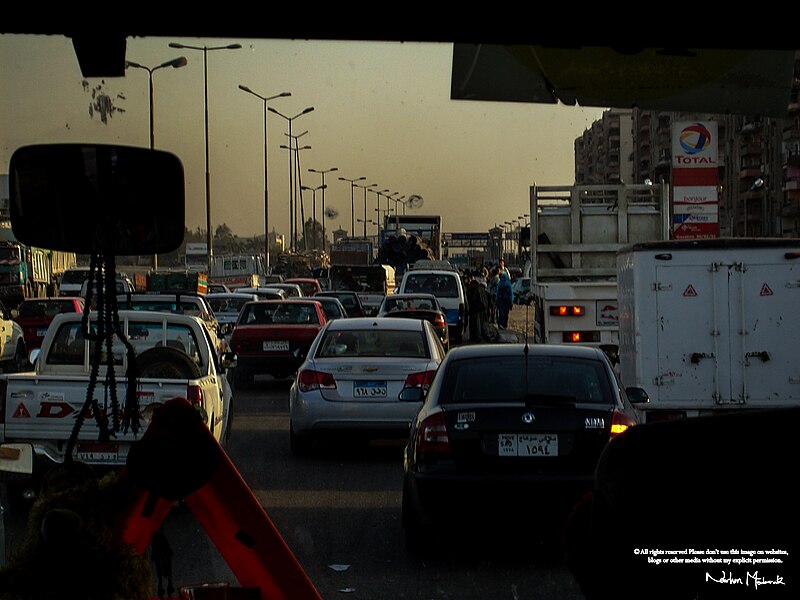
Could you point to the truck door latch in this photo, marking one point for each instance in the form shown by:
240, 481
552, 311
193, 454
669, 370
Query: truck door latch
763, 355
696, 356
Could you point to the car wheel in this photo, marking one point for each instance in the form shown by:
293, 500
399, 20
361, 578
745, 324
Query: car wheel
414, 532
300, 445
20, 362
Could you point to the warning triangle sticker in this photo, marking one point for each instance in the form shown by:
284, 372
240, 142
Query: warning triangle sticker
21, 412
689, 291
766, 290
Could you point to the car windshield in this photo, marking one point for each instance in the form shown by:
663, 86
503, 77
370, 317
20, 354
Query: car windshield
373, 343
277, 313
405, 303
227, 305
440, 285
45, 308
539, 379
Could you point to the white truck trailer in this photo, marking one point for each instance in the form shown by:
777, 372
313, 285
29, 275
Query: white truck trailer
576, 233
709, 326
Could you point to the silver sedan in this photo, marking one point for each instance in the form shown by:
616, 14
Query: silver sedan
357, 376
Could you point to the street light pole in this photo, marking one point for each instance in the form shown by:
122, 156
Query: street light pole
205, 50
289, 120
366, 187
175, 63
352, 183
323, 172
265, 99
295, 184
313, 191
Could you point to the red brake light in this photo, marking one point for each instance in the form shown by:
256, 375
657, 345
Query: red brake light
620, 422
431, 438
439, 321
195, 395
419, 379
308, 380
566, 311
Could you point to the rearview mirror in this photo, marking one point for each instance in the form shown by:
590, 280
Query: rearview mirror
97, 199
16, 458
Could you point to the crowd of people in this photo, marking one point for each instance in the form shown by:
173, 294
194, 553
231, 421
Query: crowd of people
490, 299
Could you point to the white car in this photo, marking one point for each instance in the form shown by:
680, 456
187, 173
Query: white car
353, 376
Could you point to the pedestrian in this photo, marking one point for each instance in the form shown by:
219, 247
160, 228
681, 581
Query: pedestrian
492, 284
505, 300
502, 266
478, 301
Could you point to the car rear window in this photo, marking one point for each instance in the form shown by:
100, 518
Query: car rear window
373, 343
276, 313
227, 305
409, 304
440, 285
540, 379
45, 308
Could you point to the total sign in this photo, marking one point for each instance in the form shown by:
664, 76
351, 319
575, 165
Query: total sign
695, 177
694, 145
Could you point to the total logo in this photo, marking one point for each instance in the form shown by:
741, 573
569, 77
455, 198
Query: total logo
694, 140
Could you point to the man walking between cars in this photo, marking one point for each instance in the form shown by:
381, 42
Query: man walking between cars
478, 302
505, 300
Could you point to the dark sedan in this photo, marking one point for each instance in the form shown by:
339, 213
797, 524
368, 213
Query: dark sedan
507, 440
417, 306
350, 301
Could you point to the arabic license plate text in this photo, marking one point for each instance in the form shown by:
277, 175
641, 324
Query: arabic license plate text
527, 444
98, 453
369, 389
272, 346
41, 331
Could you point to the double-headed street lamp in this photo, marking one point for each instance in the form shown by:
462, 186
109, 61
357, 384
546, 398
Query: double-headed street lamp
175, 63
289, 120
313, 191
323, 172
294, 184
352, 183
265, 99
205, 50
366, 187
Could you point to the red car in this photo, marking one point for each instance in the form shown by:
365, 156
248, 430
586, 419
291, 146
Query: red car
272, 337
35, 314
309, 285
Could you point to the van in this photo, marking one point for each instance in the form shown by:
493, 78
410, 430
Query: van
443, 281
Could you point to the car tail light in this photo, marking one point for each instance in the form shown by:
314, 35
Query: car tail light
3, 390
431, 439
620, 422
422, 379
308, 380
439, 321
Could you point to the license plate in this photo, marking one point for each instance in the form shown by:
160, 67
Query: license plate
97, 453
271, 346
369, 389
41, 331
527, 444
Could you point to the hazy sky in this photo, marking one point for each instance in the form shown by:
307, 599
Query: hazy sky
382, 111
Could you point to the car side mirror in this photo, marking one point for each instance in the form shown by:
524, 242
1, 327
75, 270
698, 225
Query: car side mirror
97, 199
637, 395
33, 356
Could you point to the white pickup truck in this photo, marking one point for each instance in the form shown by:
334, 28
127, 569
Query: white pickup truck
174, 359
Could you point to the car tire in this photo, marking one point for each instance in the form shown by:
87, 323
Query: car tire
166, 362
414, 532
300, 445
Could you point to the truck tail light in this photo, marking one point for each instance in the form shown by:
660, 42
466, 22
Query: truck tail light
431, 439
422, 379
567, 311
308, 380
620, 422
580, 337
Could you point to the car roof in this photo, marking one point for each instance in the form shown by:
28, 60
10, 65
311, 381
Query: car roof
420, 295
490, 350
376, 323
230, 295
